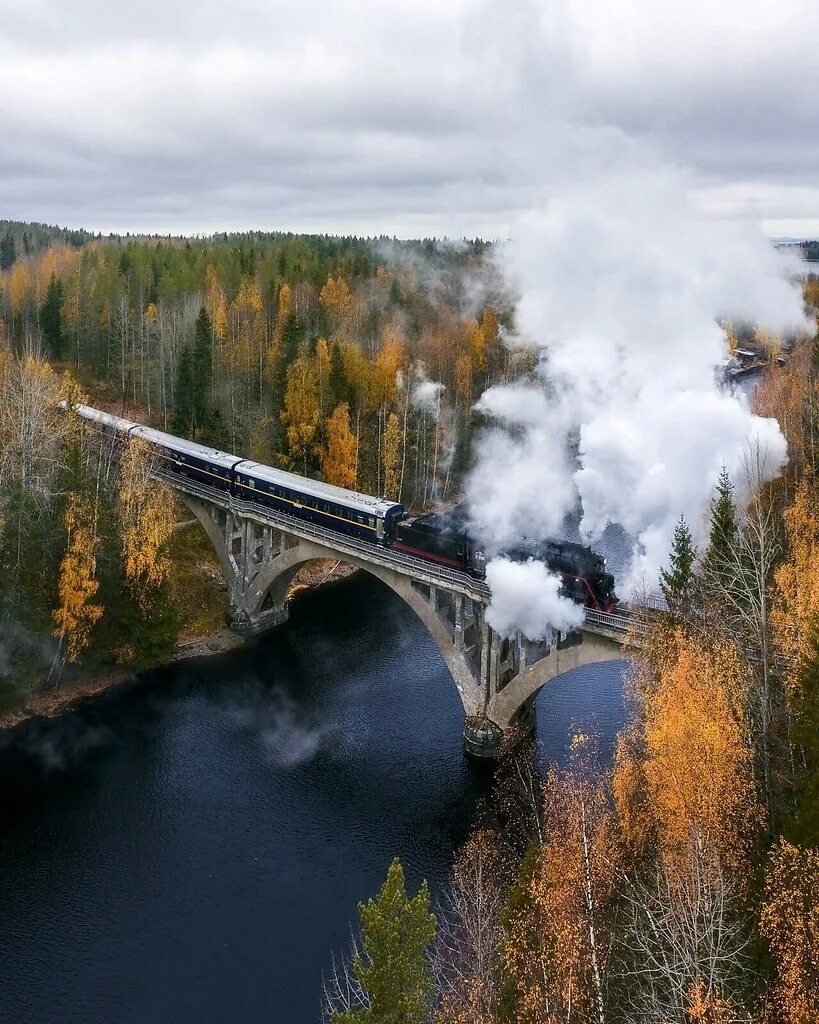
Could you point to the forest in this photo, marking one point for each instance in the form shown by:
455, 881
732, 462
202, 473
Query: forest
679, 883
356, 361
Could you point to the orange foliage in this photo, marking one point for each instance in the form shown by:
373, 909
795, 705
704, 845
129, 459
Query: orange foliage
812, 293
686, 775
782, 394
388, 362
790, 923
557, 937
796, 593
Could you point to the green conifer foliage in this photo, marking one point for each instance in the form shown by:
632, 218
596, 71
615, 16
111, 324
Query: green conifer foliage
184, 395
8, 251
393, 970
677, 581
720, 553
202, 372
339, 387
51, 321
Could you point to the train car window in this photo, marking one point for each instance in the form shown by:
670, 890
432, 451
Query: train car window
253, 484
372, 521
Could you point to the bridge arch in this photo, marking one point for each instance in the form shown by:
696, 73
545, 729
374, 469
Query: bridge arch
273, 583
497, 677
515, 700
264, 597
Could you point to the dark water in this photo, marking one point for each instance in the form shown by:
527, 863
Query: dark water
193, 850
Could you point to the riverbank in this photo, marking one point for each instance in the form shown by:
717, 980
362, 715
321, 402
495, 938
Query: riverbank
51, 703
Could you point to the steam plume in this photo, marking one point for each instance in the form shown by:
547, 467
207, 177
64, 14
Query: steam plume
621, 283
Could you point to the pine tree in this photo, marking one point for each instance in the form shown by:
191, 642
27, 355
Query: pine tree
393, 970
51, 317
720, 553
677, 582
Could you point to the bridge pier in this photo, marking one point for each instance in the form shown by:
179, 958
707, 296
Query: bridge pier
497, 677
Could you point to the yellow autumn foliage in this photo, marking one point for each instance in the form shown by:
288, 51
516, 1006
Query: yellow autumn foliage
300, 415
146, 521
338, 459
557, 942
335, 296
77, 614
684, 773
391, 451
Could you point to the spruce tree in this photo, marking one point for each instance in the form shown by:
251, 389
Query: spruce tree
720, 553
393, 970
8, 251
337, 378
202, 368
184, 399
677, 582
51, 315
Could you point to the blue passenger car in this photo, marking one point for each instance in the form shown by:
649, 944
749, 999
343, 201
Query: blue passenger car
195, 461
336, 508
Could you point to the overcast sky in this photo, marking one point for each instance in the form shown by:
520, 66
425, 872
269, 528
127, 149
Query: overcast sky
404, 117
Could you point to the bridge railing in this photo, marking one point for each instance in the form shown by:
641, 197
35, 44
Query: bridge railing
615, 622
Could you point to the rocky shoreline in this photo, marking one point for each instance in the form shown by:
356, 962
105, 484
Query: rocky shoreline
64, 698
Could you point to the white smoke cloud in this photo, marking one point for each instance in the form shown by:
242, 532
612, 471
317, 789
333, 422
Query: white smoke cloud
521, 485
621, 281
426, 393
526, 598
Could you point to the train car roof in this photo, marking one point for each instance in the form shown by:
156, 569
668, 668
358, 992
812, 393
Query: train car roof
180, 444
316, 489
106, 419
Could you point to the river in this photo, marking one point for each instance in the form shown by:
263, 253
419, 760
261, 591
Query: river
192, 849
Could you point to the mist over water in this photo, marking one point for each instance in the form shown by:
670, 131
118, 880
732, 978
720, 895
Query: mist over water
193, 849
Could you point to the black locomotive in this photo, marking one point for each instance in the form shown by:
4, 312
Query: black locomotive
446, 539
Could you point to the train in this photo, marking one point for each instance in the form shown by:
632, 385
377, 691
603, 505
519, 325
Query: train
442, 538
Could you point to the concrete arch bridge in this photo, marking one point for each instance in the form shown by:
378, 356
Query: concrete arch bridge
260, 551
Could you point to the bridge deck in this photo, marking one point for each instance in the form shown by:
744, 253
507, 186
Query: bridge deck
605, 623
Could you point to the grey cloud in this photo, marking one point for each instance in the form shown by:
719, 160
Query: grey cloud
405, 117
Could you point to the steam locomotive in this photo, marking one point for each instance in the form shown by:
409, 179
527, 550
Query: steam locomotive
443, 539
446, 539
